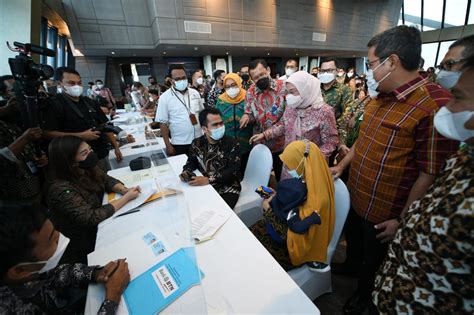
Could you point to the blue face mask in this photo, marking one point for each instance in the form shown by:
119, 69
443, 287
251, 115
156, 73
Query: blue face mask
181, 85
294, 173
217, 133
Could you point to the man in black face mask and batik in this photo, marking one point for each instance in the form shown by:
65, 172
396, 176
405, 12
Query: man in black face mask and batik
264, 106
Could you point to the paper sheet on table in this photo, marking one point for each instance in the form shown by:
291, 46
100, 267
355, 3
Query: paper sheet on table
206, 224
140, 253
148, 188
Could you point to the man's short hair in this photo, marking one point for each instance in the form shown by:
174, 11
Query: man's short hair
18, 221
62, 70
217, 73
203, 115
330, 59
151, 77
403, 41
3, 78
154, 92
175, 67
90, 83
99, 80
468, 64
244, 66
296, 61
137, 84
468, 44
254, 63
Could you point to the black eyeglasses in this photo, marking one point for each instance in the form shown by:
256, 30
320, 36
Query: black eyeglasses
448, 64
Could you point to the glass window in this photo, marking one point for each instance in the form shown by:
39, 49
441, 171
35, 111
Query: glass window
443, 49
455, 13
432, 14
428, 52
52, 42
400, 19
470, 20
413, 13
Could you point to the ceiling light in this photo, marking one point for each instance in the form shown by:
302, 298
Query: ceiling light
268, 54
164, 53
195, 48
227, 53
112, 52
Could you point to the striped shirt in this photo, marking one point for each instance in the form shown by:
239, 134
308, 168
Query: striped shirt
397, 141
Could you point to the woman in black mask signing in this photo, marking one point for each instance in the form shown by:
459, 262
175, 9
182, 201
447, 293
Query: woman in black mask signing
75, 192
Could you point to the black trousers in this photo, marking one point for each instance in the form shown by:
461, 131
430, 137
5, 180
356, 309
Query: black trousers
231, 199
181, 148
373, 254
277, 165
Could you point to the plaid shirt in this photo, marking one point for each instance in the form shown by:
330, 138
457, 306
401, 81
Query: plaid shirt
266, 109
397, 141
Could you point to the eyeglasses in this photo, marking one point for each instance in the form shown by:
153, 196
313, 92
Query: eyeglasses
448, 64
369, 64
327, 70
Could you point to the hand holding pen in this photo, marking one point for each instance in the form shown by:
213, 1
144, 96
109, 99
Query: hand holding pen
115, 276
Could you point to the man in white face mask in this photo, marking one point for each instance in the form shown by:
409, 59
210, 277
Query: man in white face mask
72, 114
433, 223
337, 95
450, 66
216, 156
290, 68
33, 281
397, 155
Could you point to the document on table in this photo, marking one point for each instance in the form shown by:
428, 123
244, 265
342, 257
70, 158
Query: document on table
206, 224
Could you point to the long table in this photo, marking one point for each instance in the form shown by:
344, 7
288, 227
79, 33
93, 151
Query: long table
241, 277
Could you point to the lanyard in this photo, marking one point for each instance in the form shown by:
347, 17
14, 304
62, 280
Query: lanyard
184, 104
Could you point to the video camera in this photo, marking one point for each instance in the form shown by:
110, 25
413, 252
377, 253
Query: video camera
28, 77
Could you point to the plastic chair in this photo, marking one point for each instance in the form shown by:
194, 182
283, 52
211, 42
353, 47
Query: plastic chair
257, 173
313, 283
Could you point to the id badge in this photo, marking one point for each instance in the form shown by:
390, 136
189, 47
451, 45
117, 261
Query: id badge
32, 167
193, 119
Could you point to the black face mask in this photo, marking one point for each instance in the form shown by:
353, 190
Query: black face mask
90, 162
245, 76
263, 83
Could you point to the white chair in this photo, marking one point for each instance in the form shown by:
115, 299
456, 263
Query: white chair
257, 173
313, 283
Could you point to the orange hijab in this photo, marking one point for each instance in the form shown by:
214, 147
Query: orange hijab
313, 245
240, 97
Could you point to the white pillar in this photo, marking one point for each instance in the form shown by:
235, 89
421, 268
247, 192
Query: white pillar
304, 63
15, 23
229, 64
207, 65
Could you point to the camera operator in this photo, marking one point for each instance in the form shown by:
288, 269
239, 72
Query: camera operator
69, 113
21, 178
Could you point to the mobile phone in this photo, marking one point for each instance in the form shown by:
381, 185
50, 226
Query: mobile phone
264, 191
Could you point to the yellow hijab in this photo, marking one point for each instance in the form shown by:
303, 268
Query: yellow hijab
240, 97
311, 246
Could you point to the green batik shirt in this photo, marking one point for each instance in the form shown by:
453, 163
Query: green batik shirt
339, 97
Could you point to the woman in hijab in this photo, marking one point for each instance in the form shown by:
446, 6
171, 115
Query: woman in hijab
306, 116
299, 221
231, 103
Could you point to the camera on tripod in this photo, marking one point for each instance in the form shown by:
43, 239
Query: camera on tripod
28, 77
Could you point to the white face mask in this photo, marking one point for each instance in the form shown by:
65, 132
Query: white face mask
181, 85
218, 133
289, 71
151, 99
100, 86
233, 92
326, 77
199, 81
350, 74
451, 125
293, 101
448, 79
59, 90
372, 84
74, 91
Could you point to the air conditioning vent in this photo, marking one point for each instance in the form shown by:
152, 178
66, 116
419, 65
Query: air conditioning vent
319, 37
197, 27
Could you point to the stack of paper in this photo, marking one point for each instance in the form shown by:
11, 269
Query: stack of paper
206, 224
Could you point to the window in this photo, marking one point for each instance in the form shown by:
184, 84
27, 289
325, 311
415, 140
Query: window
52, 43
428, 52
432, 14
455, 13
470, 20
413, 13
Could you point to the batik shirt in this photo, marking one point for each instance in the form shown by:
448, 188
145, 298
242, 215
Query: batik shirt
339, 97
213, 96
46, 294
266, 110
430, 263
220, 162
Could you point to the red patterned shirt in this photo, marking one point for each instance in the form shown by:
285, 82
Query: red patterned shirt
397, 141
266, 109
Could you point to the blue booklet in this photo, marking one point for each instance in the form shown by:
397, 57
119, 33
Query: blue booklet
163, 283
